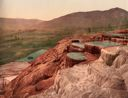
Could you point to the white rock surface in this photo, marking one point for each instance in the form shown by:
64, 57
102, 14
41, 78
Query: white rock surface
87, 81
105, 78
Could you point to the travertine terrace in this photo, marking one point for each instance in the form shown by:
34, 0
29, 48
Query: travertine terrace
43, 72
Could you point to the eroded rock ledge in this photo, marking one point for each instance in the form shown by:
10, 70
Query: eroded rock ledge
94, 80
40, 75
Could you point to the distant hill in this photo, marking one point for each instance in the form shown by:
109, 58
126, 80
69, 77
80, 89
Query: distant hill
15, 24
115, 17
85, 20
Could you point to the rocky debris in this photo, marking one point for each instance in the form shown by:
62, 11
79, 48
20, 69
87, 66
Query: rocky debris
93, 80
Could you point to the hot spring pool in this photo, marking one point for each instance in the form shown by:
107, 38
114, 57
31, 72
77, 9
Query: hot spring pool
76, 56
103, 44
32, 56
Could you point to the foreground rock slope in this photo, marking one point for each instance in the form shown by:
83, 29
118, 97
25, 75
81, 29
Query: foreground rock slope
93, 80
75, 69
40, 75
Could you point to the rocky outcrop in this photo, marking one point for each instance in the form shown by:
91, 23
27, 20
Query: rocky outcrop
109, 55
40, 75
93, 80
92, 49
77, 47
87, 81
10, 71
121, 58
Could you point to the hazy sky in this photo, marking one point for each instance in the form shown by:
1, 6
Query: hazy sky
49, 9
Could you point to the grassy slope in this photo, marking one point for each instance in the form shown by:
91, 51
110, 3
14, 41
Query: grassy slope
18, 45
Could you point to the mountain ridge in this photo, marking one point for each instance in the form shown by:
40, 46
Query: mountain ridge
87, 19
74, 21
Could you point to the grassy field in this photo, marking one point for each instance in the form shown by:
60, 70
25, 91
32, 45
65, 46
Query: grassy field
19, 45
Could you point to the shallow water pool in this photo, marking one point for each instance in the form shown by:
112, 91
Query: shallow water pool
32, 56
